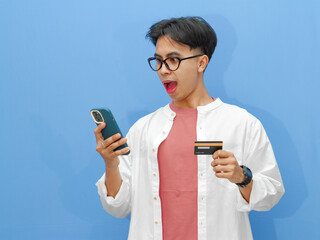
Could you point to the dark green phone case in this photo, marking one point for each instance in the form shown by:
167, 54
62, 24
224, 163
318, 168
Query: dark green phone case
111, 124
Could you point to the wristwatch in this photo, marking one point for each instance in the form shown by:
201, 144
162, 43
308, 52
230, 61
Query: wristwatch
247, 177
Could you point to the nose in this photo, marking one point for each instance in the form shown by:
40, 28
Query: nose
164, 70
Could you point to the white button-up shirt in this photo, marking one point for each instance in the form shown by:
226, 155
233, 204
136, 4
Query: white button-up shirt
222, 211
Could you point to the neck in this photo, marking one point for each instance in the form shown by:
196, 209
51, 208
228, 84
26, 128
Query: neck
199, 97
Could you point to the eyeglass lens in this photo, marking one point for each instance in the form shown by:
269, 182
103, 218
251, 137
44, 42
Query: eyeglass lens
171, 63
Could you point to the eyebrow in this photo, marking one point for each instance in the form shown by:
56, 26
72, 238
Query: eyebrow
168, 55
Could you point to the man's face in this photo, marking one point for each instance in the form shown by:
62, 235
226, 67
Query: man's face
182, 84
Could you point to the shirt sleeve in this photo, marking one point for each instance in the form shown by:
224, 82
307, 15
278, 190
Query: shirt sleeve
118, 206
267, 186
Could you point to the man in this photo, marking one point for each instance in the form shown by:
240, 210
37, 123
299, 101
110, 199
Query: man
170, 192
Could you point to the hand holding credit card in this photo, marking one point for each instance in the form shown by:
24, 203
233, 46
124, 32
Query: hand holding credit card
207, 147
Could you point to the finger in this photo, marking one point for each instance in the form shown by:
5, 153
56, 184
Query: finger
221, 161
221, 154
97, 132
223, 175
224, 169
107, 142
117, 144
117, 153
100, 146
104, 144
121, 151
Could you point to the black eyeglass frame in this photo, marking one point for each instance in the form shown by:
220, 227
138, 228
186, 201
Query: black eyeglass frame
165, 63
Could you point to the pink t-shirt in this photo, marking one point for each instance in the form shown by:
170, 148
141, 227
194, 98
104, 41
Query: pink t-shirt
178, 169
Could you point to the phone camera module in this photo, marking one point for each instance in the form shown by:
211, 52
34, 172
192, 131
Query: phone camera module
97, 116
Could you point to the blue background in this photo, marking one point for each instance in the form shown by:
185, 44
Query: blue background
58, 59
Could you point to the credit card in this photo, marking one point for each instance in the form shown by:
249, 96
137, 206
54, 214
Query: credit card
207, 147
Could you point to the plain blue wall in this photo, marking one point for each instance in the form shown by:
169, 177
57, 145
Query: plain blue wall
58, 59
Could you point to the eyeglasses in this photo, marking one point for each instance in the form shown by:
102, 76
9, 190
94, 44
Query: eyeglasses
172, 63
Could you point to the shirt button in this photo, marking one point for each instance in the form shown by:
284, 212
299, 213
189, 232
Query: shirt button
154, 174
156, 222
155, 198
172, 114
153, 149
163, 132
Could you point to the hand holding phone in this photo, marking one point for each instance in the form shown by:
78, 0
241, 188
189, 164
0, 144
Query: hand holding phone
110, 141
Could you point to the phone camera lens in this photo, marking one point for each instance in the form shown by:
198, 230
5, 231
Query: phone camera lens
96, 116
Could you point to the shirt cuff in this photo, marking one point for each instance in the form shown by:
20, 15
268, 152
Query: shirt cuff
103, 192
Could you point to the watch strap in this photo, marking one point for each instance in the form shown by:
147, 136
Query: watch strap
247, 176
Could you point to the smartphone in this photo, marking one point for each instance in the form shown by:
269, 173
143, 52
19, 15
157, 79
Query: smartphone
101, 115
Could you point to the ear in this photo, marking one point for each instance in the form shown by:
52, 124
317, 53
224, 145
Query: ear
203, 62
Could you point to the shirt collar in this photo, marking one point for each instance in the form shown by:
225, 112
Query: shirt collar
210, 106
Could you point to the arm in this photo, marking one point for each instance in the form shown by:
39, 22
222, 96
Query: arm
113, 181
114, 186
226, 166
267, 186
246, 191
106, 148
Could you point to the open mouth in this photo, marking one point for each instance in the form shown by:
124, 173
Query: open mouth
170, 86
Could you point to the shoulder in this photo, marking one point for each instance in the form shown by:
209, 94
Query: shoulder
237, 113
235, 117
145, 121
238, 118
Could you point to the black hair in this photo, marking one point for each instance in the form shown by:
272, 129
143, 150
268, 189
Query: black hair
192, 31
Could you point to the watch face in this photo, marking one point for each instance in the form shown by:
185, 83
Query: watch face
249, 172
